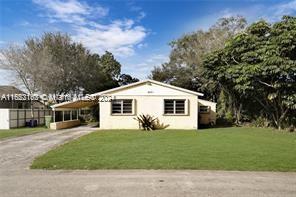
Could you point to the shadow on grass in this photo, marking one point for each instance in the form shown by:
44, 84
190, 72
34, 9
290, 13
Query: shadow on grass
215, 126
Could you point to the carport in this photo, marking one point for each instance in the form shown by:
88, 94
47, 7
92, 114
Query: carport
66, 114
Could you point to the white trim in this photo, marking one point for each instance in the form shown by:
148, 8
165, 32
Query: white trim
121, 108
204, 112
186, 107
146, 81
131, 85
206, 101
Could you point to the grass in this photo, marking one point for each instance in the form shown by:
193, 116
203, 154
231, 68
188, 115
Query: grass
20, 132
252, 149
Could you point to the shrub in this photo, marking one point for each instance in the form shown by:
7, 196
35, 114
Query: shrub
84, 118
223, 122
158, 126
291, 128
229, 117
261, 122
148, 122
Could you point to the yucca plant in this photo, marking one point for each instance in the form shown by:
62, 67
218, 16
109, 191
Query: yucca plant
148, 122
157, 125
145, 121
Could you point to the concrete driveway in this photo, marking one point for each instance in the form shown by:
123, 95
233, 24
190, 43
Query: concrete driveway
17, 180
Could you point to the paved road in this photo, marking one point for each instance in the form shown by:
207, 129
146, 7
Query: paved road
17, 180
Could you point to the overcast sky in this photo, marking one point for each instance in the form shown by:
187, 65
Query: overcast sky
137, 32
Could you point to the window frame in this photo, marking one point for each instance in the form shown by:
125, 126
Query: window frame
122, 113
204, 112
174, 107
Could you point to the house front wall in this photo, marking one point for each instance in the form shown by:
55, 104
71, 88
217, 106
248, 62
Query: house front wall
149, 99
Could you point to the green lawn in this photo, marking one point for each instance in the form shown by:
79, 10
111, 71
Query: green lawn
251, 149
20, 132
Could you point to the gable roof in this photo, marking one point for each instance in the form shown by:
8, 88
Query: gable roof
73, 103
148, 81
6, 89
202, 100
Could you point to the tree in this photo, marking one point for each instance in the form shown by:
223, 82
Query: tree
259, 64
24, 64
96, 78
126, 79
55, 64
110, 65
186, 58
68, 61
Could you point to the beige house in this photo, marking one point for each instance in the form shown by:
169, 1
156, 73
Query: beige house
173, 106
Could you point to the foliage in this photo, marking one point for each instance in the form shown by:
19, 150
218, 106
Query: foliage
148, 122
260, 122
95, 112
223, 122
157, 125
62, 73
249, 71
259, 65
23, 62
291, 128
110, 65
184, 68
55, 64
96, 77
126, 79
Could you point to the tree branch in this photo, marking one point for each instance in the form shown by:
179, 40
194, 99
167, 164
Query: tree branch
264, 83
234, 60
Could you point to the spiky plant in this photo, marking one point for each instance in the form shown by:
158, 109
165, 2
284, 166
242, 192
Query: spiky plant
148, 122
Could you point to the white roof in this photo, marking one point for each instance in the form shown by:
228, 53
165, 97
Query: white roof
206, 101
131, 85
145, 81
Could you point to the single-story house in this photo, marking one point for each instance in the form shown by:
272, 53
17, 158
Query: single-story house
174, 106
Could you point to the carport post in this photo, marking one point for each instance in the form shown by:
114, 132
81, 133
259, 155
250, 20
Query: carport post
71, 115
63, 115
53, 115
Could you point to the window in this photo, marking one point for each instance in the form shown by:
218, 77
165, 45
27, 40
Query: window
74, 114
204, 109
122, 106
174, 106
67, 115
58, 116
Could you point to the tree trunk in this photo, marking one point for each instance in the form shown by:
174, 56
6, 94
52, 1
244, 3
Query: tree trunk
278, 119
238, 114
